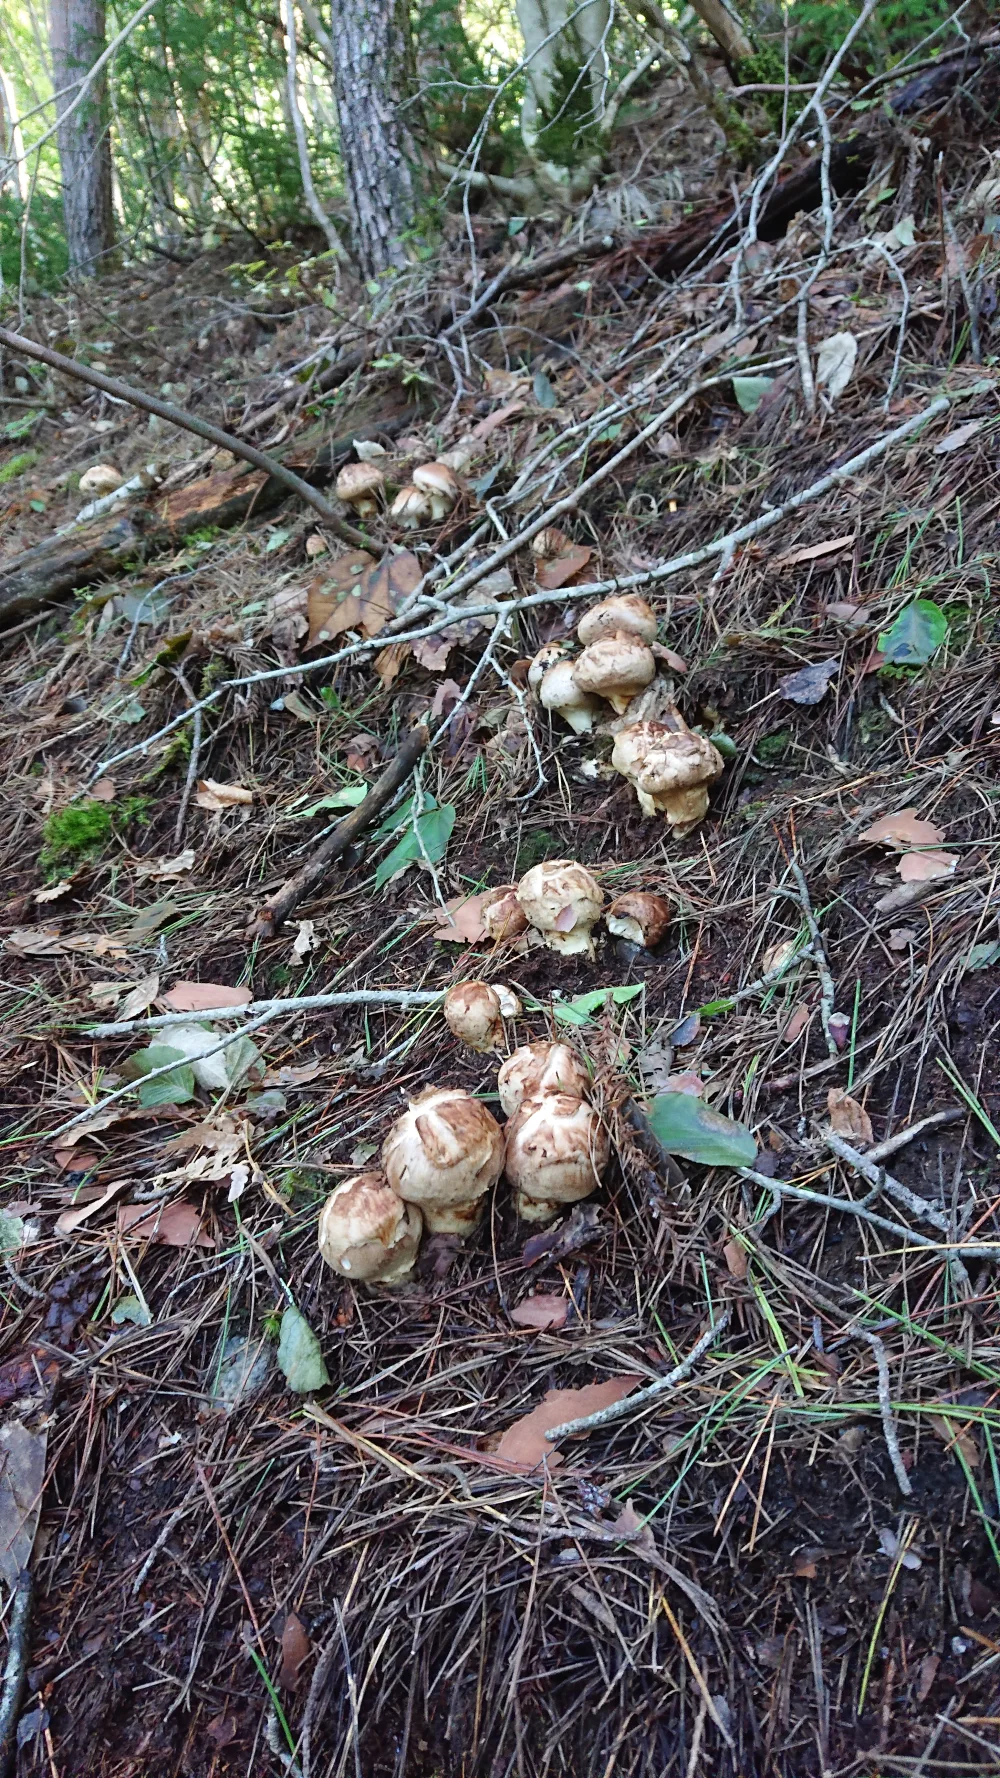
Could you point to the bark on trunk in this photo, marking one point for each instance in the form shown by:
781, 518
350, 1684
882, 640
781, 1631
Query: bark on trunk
372, 80
726, 27
76, 39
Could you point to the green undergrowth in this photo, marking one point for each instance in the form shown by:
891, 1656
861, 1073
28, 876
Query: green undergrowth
79, 834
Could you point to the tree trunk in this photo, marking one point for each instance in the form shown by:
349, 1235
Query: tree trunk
76, 39
13, 173
726, 27
372, 79
566, 81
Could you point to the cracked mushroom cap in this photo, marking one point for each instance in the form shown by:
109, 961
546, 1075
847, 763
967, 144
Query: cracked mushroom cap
367, 1233
547, 656
641, 918
616, 668
475, 1012
538, 1069
411, 508
560, 690
562, 901
557, 1150
444, 1154
503, 916
626, 614
440, 484
360, 485
670, 768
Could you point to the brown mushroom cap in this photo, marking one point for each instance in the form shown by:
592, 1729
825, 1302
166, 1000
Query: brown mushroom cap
616, 668
670, 768
366, 1232
411, 508
502, 914
549, 542
440, 484
625, 614
100, 479
560, 690
640, 917
557, 1149
444, 1154
562, 901
537, 1069
472, 1013
360, 485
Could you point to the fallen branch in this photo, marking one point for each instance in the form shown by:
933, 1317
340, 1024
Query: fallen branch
823, 1201
884, 1182
618, 1410
294, 1003
828, 991
893, 1144
226, 441
885, 1404
296, 889
15, 1671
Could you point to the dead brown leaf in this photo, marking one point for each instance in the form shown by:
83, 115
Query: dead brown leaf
928, 1673
957, 1437
214, 796
525, 1444
925, 867
735, 1256
804, 1565
167, 869
848, 1118
335, 599
563, 569
71, 1220
797, 1022
460, 921
500, 418
902, 937
388, 663
167, 1225
104, 791
140, 997
295, 1649
813, 552
203, 996
541, 1312
902, 830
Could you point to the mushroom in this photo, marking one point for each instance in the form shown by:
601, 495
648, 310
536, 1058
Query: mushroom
444, 1154
548, 655
549, 542
537, 1069
670, 768
562, 901
557, 1149
641, 918
502, 914
626, 614
360, 485
561, 691
616, 668
475, 1012
367, 1232
440, 484
100, 479
411, 508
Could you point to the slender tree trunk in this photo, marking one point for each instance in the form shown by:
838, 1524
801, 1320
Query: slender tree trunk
566, 89
372, 79
76, 39
13, 173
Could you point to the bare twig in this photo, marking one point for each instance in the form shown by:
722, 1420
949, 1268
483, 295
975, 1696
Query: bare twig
824, 1201
828, 992
883, 1181
294, 1003
192, 771
619, 1410
15, 1671
892, 1144
885, 1404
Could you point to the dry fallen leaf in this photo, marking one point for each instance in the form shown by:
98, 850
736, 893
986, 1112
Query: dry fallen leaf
53, 893
204, 997
295, 1648
804, 1565
71, 1220
813, 552
214, 796
165, 869
167, 1225
139, 997
389, 662
305, 941
902, 830
925, 867
902, 937
500, 418
542, 1312
797, 1022
848, 1118
525, 1444
335, 596
928, 1673
564, 568
955, 1436
735, 1256
460, 921
104, 791
35, 941
22, 1479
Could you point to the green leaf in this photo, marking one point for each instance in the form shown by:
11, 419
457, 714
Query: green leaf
543, 391
981, 956
687, 1126
750, 392
579, 1010
299, 1354
276, 539
131, 712
129, 1308
11, 1232
425, 840
175, 1088
609, 434
21, 427
917, 633
348, 798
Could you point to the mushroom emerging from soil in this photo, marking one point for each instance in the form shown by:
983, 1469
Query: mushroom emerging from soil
561, 691
616, 668
538, 1069
502, 914
557, 1149
441, 486
563, 902
548, 543
626, 614
100, 479
671, 769
411, 508
444, 1154
640, 918
366, 1232
361, 486
475, 1012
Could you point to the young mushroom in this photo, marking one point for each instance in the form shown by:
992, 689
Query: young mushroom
557, 1149
411, 508
475, 1012
100, 479
547, 656
639, 917
626, 614
366, 1232
560, 690
616, 668
361, 486
502, 914
441, 486
538, 1069
563, 902
444, 1154
549, 542
670, 769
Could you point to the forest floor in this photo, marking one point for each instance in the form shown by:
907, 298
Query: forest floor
790, 1562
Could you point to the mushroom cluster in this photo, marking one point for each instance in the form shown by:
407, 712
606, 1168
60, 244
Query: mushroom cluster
556, 1146
670, 768
560, 902
428, 497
